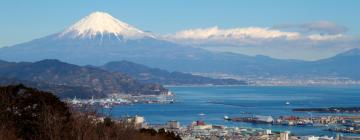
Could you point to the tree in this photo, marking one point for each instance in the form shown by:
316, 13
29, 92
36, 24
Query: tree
30, 114
34, 113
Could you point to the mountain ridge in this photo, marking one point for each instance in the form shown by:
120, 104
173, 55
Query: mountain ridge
154, 75
169, 56
54, 74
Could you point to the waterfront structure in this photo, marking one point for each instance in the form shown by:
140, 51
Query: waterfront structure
266, 119
173, 124
136, 121
117, 99
348, 137
316, 138
284, 135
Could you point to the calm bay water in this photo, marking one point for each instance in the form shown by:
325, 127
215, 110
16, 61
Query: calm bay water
244, 101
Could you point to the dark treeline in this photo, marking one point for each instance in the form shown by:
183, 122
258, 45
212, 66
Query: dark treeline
30, 114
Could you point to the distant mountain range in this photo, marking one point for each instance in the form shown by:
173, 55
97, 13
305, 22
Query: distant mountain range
100, 38
346, 64
68, 80
146, 74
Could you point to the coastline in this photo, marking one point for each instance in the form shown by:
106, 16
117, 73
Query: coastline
258, 85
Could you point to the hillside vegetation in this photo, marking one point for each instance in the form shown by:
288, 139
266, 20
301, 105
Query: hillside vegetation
30, 114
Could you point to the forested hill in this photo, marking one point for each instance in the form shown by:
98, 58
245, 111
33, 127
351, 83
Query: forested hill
154, 75
68, 80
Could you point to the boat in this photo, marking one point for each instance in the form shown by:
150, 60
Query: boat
201, 114
287, 103
107, 106
76, 101
92, 101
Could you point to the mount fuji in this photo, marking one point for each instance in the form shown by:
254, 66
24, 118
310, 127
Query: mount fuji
100, 38
103, 25
97, 39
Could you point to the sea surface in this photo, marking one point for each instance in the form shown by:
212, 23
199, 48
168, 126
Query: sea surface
211, 104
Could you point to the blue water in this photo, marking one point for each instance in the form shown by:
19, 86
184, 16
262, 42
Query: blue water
245, 101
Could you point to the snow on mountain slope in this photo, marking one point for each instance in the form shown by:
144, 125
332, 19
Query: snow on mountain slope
101, 23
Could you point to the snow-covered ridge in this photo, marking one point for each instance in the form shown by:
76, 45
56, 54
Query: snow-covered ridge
101, 23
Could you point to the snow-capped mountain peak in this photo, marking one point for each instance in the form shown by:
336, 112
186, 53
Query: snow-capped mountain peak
101, 23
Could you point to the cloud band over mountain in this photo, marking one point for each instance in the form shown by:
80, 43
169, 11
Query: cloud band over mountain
250, 35
287, 41
305, 39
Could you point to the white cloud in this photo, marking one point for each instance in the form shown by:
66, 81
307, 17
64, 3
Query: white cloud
324, 27
234, 35
318, 37
249, 36
250, 32
307, 41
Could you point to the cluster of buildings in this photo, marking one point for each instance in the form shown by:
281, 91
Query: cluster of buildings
199, 130
349, 125
285, 80
117, 99
304, 82
344, 122
310, 121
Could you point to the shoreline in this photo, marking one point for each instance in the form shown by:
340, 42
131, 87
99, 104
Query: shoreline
253, 85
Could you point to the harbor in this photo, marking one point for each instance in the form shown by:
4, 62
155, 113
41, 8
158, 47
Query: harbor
330, 110
201, 130
161, 108
346, 124
192, 103
300, 121
118, 100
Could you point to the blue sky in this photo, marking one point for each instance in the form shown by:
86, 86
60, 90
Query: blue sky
26, 20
